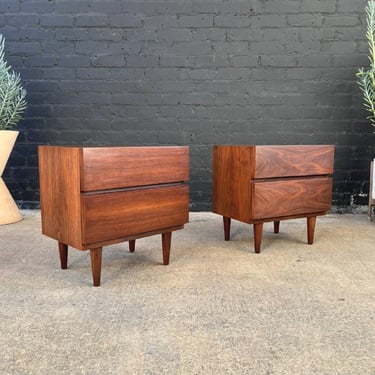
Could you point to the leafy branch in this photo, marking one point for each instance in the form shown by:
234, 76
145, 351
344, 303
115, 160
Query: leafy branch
12, 94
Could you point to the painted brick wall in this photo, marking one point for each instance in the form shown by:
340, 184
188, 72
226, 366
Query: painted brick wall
194, 73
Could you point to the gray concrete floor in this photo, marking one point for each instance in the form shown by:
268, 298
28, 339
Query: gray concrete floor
218, 308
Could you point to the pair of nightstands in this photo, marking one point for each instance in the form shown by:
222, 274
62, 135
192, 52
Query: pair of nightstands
96, 196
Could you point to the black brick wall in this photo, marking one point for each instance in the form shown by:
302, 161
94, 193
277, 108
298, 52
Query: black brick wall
194, 73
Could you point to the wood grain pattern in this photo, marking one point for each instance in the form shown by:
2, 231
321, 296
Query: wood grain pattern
98, 196
291, 197
256, 184
59, 176
232, 167
293, 161
119, 167
126, 213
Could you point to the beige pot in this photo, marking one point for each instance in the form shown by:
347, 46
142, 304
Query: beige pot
9, 212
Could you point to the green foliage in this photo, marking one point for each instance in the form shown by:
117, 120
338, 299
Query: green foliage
12, 94
366, 78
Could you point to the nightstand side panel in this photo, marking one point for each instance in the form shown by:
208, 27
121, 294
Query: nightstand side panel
232, 169
59, 176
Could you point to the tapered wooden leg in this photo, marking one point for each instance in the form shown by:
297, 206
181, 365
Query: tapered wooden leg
311, 220
96, 265
276, 226
166, 239
63, 250
258, 229
132, 246
226, 222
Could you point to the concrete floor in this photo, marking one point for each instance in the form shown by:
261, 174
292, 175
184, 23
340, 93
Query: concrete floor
218, 308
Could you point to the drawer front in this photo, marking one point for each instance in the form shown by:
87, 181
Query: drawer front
293, 161
109, 216
118, 167
291, 197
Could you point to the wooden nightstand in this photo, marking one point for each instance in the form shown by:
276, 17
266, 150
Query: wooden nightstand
96, 196
257, 184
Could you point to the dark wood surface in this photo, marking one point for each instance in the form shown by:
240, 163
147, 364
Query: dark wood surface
119, 167
277, 198
97, 196
293, 161
60, 198
125, 213
255, 184
231, 173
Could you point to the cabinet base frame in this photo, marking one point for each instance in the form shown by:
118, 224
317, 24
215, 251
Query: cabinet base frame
96, 251
258, 227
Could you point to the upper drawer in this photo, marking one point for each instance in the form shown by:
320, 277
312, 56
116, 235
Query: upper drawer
293, 160
118, 167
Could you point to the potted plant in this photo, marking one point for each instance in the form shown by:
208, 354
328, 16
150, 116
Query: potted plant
366, 81
366, 77
12, 106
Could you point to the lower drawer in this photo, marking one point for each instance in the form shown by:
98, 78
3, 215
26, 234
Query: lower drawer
291, 197
108, 216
